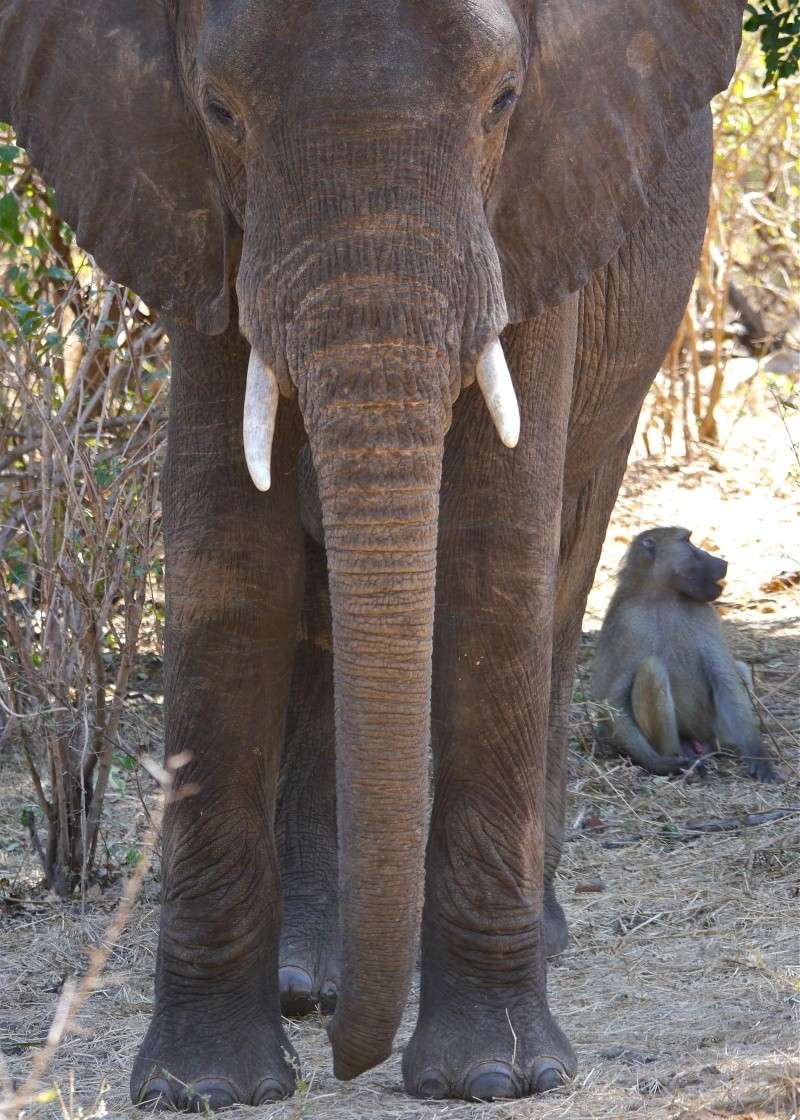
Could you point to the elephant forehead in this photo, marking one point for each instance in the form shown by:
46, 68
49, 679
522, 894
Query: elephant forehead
468, 29
274, 38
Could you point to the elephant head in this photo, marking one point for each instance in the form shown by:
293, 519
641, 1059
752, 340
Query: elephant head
386, 185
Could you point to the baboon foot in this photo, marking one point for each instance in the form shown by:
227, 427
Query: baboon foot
693, 752
762, 770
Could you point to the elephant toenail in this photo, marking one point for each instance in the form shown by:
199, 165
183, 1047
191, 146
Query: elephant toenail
155, 1096
328, 994
208, 1095
548, 1073
492, 1081
296, 990
269, 1089
295, 980
432, 1086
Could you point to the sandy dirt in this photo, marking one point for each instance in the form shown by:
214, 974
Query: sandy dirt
681, 985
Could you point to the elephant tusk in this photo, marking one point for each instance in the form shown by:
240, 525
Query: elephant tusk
494, 379
260, 407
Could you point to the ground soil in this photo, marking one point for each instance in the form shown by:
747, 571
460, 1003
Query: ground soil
680, 987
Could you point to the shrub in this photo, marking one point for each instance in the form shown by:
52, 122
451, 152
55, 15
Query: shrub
82, 402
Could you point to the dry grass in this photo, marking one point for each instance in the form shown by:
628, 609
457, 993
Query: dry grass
681, 983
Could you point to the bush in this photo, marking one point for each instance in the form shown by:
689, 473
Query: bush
745, 299
82, 402
778, 24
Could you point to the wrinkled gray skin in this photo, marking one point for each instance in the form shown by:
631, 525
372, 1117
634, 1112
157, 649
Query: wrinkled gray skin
662, 665
368, 194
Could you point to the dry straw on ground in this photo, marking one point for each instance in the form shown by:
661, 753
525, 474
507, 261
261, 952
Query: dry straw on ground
680, 987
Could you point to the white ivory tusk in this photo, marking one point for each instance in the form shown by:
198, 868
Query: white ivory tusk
494, 379
260, 407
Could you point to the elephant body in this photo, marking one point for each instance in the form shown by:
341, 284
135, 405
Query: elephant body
345, 205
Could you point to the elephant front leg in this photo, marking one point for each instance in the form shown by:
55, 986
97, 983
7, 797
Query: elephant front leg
306, 822
485, 1030
588, 502
234, 580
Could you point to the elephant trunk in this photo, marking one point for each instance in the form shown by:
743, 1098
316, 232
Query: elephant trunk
375, 286
378, 464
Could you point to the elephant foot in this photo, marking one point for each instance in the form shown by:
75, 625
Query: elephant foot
476, 1053
556, 931
308, 977
191, 1062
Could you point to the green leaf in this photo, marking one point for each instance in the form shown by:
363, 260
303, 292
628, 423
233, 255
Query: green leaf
126, 762
103, 475
9, 219
777, 22
18, 571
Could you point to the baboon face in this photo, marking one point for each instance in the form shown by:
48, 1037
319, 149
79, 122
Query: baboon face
681, 566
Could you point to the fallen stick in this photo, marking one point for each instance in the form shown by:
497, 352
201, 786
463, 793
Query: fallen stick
750, 820
693, 829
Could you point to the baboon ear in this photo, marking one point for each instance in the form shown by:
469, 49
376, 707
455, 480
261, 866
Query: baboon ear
610, 85
91, 87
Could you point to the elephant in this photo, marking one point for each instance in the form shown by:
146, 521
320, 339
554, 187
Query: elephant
418, 264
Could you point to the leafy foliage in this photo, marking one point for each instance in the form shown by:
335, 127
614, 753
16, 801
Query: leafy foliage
778, 24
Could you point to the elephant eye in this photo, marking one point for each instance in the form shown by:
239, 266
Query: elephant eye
220, 114
504, 100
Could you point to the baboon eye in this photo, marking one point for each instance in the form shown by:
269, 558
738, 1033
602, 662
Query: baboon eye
649, 545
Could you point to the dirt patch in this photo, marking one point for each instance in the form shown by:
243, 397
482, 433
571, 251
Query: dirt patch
680, 986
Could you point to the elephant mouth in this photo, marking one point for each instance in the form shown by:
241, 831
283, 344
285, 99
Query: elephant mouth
262, 393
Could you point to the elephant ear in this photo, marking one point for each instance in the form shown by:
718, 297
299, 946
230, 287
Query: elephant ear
610, 85
91, 87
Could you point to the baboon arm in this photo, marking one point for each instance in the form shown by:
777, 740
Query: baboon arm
735, 722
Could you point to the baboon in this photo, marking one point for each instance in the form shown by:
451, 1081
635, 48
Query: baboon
663, 667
